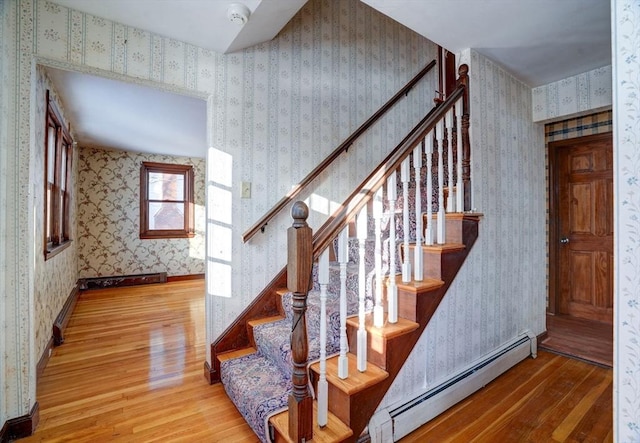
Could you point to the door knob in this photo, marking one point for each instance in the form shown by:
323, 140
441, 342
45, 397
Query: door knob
564, 240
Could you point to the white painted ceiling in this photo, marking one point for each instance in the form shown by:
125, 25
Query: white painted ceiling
539, 41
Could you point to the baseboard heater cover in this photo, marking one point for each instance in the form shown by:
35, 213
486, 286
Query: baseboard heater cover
121, 280
389, 425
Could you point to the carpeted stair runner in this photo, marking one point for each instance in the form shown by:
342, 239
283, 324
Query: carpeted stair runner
259, 383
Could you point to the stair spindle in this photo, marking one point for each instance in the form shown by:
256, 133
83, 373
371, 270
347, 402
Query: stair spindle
417, 259
429, 151
392, 290
450, 195
343, 259
459, 186
404, 177
361, 227
323, 386
378, 309
441, 217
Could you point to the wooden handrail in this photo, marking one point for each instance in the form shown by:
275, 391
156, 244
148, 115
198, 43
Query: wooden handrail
363, 193
344, 146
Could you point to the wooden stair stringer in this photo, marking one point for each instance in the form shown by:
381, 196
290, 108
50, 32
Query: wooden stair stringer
397, 354
236, 336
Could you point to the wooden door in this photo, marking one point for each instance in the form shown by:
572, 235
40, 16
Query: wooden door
585, 228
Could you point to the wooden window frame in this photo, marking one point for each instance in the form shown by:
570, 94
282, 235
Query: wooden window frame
57, 193
188, 201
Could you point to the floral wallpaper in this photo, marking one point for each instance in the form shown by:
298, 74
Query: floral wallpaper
280, 108
109, 218
277, 108
500, 290
56, 277
588, 91
626, 138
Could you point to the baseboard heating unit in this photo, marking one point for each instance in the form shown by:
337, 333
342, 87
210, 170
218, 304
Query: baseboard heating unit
392, 424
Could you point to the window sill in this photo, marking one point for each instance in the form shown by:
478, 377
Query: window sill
52, 252
165, 235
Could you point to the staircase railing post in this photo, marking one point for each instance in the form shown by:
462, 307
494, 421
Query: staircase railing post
299, 264
463, 78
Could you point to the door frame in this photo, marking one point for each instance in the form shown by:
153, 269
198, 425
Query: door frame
554, 228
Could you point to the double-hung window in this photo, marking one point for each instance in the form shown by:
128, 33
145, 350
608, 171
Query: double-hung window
58, 157
166, 201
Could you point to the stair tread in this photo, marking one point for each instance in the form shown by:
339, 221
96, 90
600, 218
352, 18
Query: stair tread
427, 284
389, 330
263, 320
444, 247
356, 381
334, 431
235, 354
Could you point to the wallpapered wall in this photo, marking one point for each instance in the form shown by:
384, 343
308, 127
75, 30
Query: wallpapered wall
584, 92
388, 53
281, 107
56, 277
625, 18
109, 218
499, 291
276, 109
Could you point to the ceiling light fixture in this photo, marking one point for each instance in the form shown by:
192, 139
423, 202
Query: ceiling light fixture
238, 14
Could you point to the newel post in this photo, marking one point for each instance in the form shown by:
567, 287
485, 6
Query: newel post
463, 78
299, 263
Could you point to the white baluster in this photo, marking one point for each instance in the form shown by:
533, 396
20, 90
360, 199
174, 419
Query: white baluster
429, 151
343, 259
459, 185
441, 216
404, 177
392, 290
378, 309
323, 387
417, 258
361, 227
450, 196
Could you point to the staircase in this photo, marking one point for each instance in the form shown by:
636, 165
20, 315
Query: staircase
255, 360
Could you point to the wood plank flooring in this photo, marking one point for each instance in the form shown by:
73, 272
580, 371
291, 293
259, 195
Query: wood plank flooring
548, 399
584, 339
131, 370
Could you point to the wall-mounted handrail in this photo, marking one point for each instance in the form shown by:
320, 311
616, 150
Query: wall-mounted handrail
363, 193
344, 146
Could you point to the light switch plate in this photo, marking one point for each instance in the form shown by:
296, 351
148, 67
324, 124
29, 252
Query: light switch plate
245, 190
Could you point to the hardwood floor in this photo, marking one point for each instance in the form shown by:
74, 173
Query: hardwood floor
548, 399
131, 370
584, 339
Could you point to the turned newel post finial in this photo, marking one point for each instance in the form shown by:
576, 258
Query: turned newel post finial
299, 266
463, 70
299, 213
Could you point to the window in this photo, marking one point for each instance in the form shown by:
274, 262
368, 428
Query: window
58, 156
166, 201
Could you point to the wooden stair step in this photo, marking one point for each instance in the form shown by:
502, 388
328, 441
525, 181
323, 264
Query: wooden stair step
345, 396
419, 287
356, 381
379, 339
433, 256
260, 321
389, 330
444, 248
335, 430
235, 354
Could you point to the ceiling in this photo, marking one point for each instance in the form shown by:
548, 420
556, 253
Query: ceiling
539, 41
